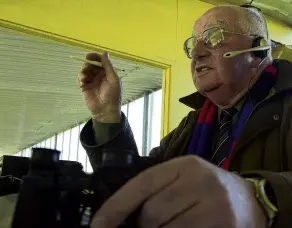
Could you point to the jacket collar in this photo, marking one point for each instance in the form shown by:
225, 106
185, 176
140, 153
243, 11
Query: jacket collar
284, 82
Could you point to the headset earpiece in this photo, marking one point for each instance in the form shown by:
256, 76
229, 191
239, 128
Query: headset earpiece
258, 43
260, 48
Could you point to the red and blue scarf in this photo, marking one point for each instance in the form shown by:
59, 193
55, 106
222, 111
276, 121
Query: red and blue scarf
201, 141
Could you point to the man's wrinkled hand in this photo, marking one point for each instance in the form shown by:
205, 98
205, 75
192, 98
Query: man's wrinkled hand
184, 192
101, 89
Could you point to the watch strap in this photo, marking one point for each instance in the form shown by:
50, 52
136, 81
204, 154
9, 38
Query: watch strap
260, 193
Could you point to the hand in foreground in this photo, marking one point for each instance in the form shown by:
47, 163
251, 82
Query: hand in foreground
101, 89
184, 192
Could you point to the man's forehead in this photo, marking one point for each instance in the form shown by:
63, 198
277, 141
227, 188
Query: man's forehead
219, 17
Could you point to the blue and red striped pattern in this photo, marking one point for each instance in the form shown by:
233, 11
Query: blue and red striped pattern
201, 140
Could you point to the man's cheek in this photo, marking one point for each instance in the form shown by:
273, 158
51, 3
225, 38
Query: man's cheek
194, 77
218, 54
193, 67
222, 73
226, 70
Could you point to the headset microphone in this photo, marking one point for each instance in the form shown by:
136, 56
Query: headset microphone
260, 48
235, 53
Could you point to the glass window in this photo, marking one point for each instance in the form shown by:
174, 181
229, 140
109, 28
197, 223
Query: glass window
25, 154
48, 143
154, 120
29, 152
60, 143
43, 144
52, 146
74, 143
136, 109
82, 156
88, 166
68, 142
125, 109
66, 145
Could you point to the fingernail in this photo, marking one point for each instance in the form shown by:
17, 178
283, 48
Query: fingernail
108, 55
98, 222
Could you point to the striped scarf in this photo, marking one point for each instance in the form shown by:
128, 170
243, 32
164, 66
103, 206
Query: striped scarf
201, 141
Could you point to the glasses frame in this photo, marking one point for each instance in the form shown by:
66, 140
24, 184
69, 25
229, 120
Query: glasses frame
222, 31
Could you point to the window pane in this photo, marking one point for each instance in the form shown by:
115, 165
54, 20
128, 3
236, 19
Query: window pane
26, 153
125, 109
53, 142
136, 121
29, 152
66, 145
82, 126
89, 167
154, 128
43, 144
74, 144
60, 143
48, 143
82, 156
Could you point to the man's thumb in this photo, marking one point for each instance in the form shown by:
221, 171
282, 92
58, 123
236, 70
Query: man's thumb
110, 72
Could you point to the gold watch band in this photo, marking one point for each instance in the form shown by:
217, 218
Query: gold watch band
260, 193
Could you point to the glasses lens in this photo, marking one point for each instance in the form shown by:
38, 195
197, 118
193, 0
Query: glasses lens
189, 46
212, 37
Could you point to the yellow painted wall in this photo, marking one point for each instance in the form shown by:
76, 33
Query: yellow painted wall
151, 30
145, 28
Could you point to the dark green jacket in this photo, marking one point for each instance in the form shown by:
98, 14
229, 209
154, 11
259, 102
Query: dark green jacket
263, 149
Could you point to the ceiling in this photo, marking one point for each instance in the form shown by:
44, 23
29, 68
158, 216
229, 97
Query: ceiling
38, 93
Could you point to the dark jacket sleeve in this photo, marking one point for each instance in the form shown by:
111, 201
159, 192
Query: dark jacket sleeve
121, 139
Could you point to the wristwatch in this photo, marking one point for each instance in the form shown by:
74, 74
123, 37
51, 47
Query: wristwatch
264, 197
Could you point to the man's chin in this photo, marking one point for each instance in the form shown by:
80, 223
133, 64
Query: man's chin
211, 89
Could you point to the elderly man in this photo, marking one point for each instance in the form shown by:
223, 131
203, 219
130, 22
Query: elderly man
237, 171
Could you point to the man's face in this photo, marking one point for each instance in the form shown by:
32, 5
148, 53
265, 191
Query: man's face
223, 78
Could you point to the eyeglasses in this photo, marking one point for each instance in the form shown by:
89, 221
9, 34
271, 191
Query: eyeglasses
212, 38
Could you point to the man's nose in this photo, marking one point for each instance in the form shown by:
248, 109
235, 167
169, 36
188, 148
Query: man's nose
200, 51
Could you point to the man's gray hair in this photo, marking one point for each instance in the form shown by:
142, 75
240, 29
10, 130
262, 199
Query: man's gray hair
249, 20
254, 22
